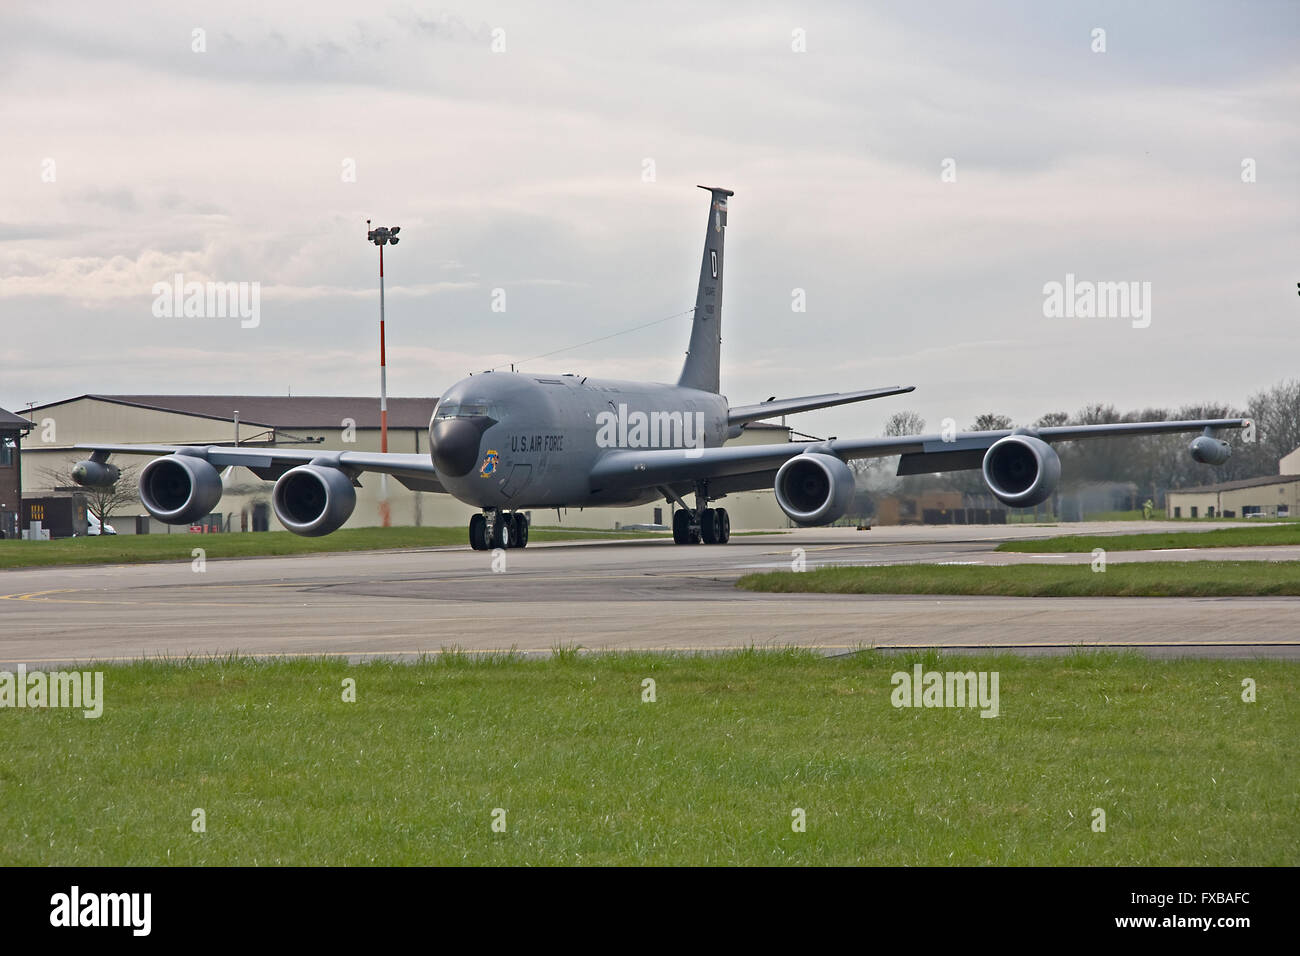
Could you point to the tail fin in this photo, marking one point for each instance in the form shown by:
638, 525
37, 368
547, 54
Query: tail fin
705, 353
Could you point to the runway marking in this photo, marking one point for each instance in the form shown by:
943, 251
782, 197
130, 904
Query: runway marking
827, 547
539, 577
36, 596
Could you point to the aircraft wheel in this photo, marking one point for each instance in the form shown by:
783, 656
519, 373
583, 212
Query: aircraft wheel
478, 533
502, 532
681, 527
521, 530
709, 526
723, 525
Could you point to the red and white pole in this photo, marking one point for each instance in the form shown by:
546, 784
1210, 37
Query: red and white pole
385, 514
383, 365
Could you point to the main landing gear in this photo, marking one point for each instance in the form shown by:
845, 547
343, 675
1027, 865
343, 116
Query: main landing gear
701, 524
495, 529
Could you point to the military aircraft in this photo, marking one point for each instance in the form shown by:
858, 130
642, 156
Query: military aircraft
509, 442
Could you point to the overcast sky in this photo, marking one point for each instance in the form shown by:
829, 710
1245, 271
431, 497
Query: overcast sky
524, 169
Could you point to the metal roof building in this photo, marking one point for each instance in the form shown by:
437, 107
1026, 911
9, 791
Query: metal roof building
1274, 496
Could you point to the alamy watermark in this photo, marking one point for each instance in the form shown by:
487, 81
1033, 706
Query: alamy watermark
1085, 299
620, 428
129, 910
946, 689
208, 300
79, 690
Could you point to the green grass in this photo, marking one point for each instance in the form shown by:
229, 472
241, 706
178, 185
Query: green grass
1131, 515
1219, 538
287, 773
1136, 579
130, 548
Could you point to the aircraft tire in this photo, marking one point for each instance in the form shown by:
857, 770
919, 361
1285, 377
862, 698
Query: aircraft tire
709, 526
521, 530
502, 532
722, 524
681, 527
478, 533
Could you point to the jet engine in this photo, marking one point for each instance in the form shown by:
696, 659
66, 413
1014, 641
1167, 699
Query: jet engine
814, 489
179, 489
1021, 470
312, 500
1210, 451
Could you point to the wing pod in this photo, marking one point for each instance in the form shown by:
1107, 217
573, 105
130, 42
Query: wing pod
95, 474
1210, 451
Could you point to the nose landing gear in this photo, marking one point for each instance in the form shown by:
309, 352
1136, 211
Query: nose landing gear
496, 529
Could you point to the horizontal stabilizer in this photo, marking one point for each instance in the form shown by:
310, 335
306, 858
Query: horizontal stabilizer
788, 406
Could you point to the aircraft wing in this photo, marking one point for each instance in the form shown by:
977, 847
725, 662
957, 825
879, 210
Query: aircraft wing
414, 471
742, 414
919, 454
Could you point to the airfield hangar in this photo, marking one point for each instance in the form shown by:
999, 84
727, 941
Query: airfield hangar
1272, 496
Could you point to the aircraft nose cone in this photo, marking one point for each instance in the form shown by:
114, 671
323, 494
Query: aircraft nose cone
454, 443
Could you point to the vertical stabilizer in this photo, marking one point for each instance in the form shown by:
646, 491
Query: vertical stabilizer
705, 354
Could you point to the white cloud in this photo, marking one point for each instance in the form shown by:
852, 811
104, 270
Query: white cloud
522, 171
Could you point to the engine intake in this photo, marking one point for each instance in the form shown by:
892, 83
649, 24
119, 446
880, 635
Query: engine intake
313, 500
814, 489
179, 489
1021, 470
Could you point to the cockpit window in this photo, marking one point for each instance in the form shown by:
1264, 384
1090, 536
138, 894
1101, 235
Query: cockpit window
467, 410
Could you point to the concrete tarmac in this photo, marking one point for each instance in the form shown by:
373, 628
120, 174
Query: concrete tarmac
650, 595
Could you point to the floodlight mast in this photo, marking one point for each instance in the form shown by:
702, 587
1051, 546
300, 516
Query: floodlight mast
382, 237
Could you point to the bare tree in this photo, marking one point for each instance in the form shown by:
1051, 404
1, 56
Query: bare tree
1276, 412
990, 422
877, 473
101, 500
1052, 420
904, 423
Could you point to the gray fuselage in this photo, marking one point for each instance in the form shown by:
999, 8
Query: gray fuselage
515, 441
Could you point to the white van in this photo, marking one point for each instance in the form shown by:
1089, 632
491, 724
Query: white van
92, 526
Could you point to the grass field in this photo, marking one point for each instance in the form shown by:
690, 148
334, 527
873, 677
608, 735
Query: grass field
286, 772
128, 549
1137, 579
1218, 538
1135, 514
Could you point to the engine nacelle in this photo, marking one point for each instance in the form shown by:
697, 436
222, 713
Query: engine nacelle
95, 474
312, 500
1210, 451
814, 489
179, 489
1021, 470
